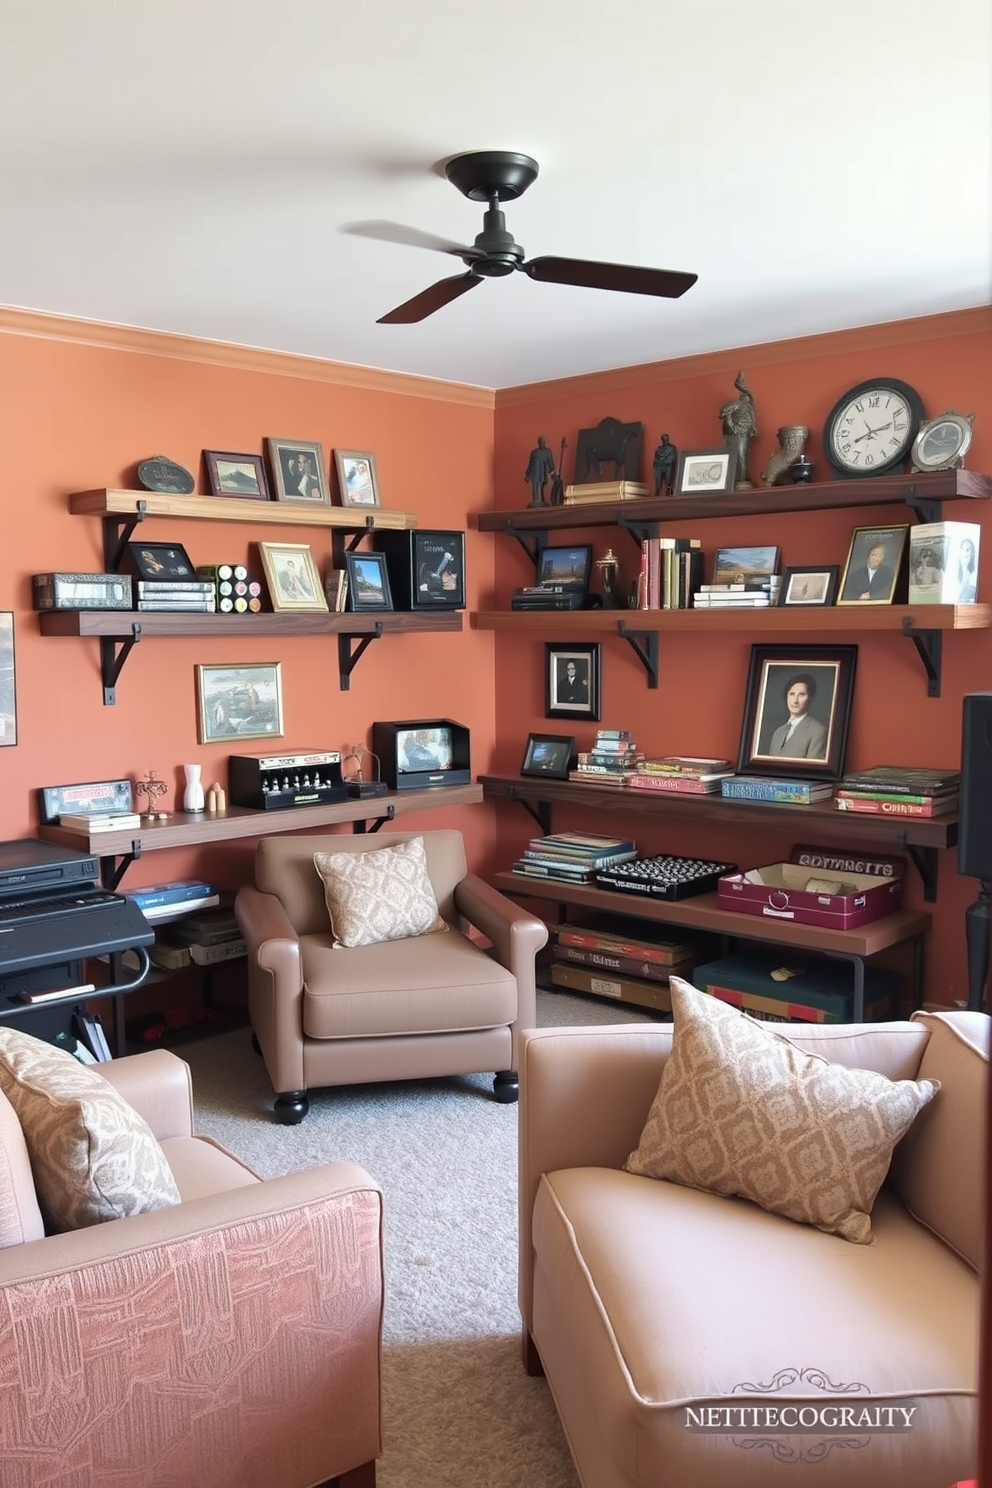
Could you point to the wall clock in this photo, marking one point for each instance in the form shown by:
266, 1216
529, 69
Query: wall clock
942, 442
871, 428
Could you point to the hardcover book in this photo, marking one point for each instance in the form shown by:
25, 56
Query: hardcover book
943, 562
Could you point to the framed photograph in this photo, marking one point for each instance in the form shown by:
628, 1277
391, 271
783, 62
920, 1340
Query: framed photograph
568, 566
571, 679
161, 561
8, 695
368, 582
701, 472
236, 475
358, 484
809, 586
292, 576
438, 569
239, 702
550, 755
874, 565
745, 565
797, 710
297, 469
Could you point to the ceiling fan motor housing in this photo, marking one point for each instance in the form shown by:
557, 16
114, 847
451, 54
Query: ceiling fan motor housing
500, 253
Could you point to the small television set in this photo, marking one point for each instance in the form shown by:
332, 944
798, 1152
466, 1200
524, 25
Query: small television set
421, 752
566, 567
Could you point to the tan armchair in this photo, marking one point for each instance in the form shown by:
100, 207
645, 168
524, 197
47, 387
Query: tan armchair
405, 1009
232, 1339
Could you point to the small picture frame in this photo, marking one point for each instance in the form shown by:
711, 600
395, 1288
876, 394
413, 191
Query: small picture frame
796, 711
358, 484
8, 691
703, 472
874, 565
568, 566
549, 755
230, 474
571, 680
161, 561
292, 576
745, 565
297, 470
816, 585
368, 582
239, 702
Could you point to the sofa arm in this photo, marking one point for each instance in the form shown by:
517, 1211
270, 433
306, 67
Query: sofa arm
516, 936
231, 1340
275, 985
157, 1085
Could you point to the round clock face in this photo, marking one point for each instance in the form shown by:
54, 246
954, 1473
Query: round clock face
942, 442
870, 430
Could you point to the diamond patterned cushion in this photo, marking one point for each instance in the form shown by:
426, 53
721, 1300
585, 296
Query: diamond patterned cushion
93, 1157
383, 894
740, 1110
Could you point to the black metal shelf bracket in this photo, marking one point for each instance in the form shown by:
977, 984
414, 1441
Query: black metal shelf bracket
923, 508
924, 860
112, 870
539, 810
112, 660
929, 645
117, 533
639, 530
383, 821
530, 539
349, 659
645, 643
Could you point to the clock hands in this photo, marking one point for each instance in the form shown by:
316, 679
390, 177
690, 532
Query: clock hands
870, 433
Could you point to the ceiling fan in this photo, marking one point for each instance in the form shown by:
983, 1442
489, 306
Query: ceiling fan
496, 176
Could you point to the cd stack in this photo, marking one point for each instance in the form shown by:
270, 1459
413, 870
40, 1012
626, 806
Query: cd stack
548, 597
751, 595
175, 594
236, 593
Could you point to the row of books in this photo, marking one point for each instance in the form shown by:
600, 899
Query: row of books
198, 595
671, 572
898, 790
573, 857
756, 594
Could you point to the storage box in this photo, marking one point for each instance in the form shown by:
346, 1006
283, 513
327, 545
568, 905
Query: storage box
426, 568
776, 987
833, 898
420, 752
275, 782
81, 591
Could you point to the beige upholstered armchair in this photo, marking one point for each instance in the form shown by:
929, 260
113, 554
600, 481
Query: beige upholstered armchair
425, 1004
229, 1338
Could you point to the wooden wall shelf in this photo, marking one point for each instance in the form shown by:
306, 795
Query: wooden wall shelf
141, 504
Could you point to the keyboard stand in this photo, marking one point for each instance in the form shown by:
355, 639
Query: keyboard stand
12, 1007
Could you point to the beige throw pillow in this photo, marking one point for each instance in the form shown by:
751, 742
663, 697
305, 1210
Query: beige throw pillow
740, 1110
382, 894
93, 1157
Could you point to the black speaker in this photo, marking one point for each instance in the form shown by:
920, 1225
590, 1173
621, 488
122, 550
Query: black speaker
975, 829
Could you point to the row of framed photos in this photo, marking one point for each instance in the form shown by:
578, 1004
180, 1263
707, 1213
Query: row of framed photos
296, 472
796, 711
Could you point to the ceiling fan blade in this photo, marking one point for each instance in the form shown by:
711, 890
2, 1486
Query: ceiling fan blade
407, 237
429, 300
627, 278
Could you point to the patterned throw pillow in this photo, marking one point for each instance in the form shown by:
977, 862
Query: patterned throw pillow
740, 1110
93, 1157
383, 894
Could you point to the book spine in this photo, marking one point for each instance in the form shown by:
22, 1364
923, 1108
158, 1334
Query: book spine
896, 787
589, 940
746, 790
923, 799
885, 808
608, 961
674, 784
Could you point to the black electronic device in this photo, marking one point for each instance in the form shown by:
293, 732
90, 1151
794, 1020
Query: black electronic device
426, 568
421, 752
29, 866
276, 782
664, 876
975, 836
531, 599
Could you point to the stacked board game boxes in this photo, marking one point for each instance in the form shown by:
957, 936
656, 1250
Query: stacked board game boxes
624, 958
899, 790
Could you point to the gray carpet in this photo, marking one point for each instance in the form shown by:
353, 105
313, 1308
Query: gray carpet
458, 1410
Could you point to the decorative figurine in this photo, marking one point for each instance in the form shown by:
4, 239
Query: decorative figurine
739, 429
801, 471
557, 483
792, 447
609, 567
540, 469
153, 789
665, 460
193, 800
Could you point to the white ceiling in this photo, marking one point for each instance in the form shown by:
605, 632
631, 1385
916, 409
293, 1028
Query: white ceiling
194, 166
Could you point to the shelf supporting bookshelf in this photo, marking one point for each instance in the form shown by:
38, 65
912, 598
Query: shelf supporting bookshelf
645, 644
532, 541
348, 659
112, 661
924, 860
929, 647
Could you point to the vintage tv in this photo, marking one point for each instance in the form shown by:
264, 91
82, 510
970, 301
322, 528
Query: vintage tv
420, 752
426, 568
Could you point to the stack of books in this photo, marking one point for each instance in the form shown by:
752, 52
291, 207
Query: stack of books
166, 900
198, 595
779, 792
624, 947
756, 594
573, 857
209, 937
548, 597
593, 491
613, 754
899, 790
99, 821
686, 774
671, 570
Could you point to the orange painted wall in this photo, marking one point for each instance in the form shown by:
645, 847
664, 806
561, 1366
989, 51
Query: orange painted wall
76, 415
698, 706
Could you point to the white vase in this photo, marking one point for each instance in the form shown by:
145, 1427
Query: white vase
193, 794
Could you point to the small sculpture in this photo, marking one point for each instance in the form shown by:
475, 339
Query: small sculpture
540, 469
557, 483
152, 788
739, 429
609, 567
664, 462
792, 443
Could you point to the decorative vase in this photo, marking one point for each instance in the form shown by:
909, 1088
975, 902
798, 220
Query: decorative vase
193, 794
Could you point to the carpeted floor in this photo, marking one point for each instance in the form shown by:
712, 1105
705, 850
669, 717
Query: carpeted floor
458, 1410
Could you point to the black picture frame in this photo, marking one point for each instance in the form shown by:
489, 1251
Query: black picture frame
815, 585
437, 578
550, 756
368, 582
821, 732
565, 564
567, 696
704, 472
889, 576
161, 561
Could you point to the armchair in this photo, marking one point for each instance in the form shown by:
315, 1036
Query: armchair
231, 1339
423, 1006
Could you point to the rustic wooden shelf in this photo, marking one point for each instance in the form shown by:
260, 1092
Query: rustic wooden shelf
771, 619
141, 504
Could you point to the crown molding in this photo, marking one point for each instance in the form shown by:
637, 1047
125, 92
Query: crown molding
44, 326
971, 322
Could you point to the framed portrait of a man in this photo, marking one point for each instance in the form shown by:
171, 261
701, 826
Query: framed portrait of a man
571, 680
297, 468
797, 710
874, 565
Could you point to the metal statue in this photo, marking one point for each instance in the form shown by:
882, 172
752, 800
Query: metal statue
739, 429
